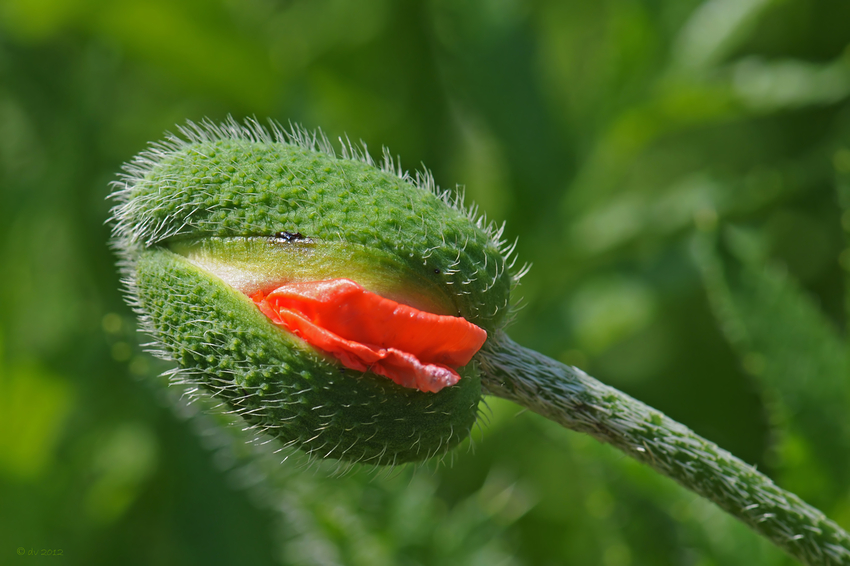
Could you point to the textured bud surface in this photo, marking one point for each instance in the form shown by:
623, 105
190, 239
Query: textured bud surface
367, 332
204, 222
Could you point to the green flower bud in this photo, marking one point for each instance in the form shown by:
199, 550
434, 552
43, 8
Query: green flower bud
205, 220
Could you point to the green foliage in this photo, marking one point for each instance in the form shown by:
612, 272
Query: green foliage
787, 343
606, 134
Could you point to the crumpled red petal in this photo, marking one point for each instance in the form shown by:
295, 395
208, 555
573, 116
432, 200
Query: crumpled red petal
365, 331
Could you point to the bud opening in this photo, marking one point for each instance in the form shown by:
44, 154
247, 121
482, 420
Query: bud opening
367, 332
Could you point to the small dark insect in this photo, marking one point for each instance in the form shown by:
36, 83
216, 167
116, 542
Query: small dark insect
437, 271
289, 236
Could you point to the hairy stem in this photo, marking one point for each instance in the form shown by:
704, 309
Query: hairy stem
575, 400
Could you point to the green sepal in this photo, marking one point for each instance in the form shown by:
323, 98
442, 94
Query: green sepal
241, 182
284, 387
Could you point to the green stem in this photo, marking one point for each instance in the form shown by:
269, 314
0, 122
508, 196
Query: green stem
570, 397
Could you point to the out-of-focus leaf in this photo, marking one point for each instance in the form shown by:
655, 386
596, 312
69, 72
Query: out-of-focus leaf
715, 29
606, 310
201, 52
768, 86
795, 353
125, 459
841, 163
34, 406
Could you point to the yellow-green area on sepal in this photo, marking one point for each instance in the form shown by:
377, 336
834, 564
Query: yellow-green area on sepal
284, 387
252, 264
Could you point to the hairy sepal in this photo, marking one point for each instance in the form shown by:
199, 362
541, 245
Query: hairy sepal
231, 180
282, 386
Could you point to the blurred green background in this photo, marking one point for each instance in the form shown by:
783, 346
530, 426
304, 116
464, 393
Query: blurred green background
677, 172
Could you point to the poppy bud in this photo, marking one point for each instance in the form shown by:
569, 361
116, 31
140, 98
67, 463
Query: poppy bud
331, 302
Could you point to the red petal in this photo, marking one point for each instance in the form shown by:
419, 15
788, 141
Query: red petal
368, 332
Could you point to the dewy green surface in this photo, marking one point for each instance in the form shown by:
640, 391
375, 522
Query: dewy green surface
196, 227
